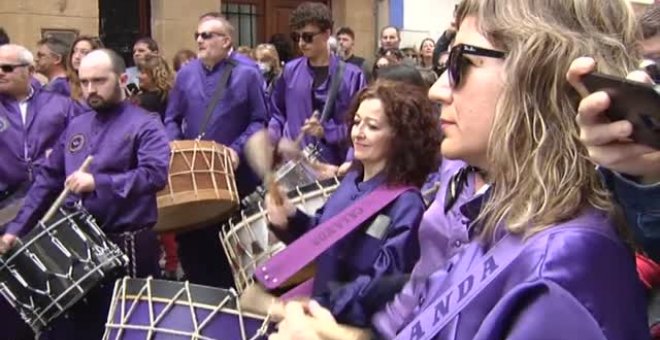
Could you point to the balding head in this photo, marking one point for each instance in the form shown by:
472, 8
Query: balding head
17, 65
102, 76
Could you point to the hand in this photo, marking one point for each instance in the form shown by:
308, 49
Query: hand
305, 321
80, 182
278, 215
288, 149
7, 242
608, 143
344, 168
235, 160
324, 170
313, 127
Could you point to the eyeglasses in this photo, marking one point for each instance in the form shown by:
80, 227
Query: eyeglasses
457, 64
9, 68
307, 37
207, 35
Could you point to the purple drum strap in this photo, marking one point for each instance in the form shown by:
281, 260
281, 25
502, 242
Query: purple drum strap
305, 249
302, 290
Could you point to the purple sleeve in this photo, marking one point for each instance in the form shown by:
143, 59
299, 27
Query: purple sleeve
278, 109
298, 225
256, 97
150, 175
335, 128
354, 302
49, 180
174, 112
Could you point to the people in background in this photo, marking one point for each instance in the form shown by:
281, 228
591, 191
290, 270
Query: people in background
79, 48
346, 39
182, 58
143, 49
51, 62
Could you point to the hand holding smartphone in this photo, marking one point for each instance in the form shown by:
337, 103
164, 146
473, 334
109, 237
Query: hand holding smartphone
639, 103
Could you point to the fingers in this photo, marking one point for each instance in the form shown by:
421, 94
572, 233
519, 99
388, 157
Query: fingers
591, 109
602, 134
318, 312
580, 67
640, 76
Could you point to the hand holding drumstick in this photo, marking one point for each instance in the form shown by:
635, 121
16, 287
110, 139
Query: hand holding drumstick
78, 182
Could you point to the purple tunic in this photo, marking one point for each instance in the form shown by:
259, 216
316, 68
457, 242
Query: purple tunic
240, 113
59, 85
291, 104
562, 285
348, 273
22, 148
131, 157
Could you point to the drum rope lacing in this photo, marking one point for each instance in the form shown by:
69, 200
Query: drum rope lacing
129, 245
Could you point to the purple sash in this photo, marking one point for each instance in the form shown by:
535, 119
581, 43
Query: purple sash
308, 247
445, 308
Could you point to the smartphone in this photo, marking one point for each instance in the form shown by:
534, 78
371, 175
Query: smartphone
639, 103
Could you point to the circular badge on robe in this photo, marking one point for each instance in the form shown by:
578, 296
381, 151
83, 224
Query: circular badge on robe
76, 143
4, 123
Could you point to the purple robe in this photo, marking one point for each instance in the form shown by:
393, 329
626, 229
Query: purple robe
291, 104
22, 148
59, 85
239, 113
348, 273
573, 283
131, 159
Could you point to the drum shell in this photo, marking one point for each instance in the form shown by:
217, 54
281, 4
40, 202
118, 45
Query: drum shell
215, 311
56, 264
201, 188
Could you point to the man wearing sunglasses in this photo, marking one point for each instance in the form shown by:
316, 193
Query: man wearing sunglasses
31, 120
131, 157
51, 62
305, 84
239, 112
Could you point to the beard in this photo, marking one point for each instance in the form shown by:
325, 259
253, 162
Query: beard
101, 104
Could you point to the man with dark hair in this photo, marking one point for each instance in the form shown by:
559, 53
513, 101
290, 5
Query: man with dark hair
346, 38
51, 62
31, 120
4, 37
240, 112
292, 105
390, 38
131, 157
143, 49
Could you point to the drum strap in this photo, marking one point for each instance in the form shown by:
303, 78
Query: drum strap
217, 95
308, 247
334, 89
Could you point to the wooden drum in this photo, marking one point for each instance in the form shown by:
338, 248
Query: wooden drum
201, 189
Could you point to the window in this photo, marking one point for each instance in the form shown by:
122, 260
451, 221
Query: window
244, 18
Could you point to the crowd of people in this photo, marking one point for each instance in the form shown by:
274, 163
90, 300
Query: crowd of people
541, 225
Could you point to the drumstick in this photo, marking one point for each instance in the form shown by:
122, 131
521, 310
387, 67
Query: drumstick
259, 154
64, 193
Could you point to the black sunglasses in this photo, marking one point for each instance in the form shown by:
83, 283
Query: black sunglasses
307, 37
457, 64
207, 35
9, 68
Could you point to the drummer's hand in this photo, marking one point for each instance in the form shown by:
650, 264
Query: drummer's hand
7, 242
235, 160
608, 143
324, 170
313, 127
288, 149
305, 321
278, 215
343, 169
80, 182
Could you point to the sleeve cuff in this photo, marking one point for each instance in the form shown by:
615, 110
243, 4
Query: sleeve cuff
632, 194
102, 182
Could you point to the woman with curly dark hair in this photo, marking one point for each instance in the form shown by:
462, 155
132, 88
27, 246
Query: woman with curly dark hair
395, 136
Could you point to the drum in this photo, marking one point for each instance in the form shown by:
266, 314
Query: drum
56, 265
155, 310
201, 189
247, 241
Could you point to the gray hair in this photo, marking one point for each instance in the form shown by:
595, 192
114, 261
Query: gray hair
223, 20
23, 55
56, 45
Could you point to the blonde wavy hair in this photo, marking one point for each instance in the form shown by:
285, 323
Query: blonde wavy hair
161, 74
539, 167
269, 52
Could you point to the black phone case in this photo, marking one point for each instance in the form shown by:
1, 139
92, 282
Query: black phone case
636, 102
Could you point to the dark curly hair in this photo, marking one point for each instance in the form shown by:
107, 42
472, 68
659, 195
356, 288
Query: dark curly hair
414, 152
314, 13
